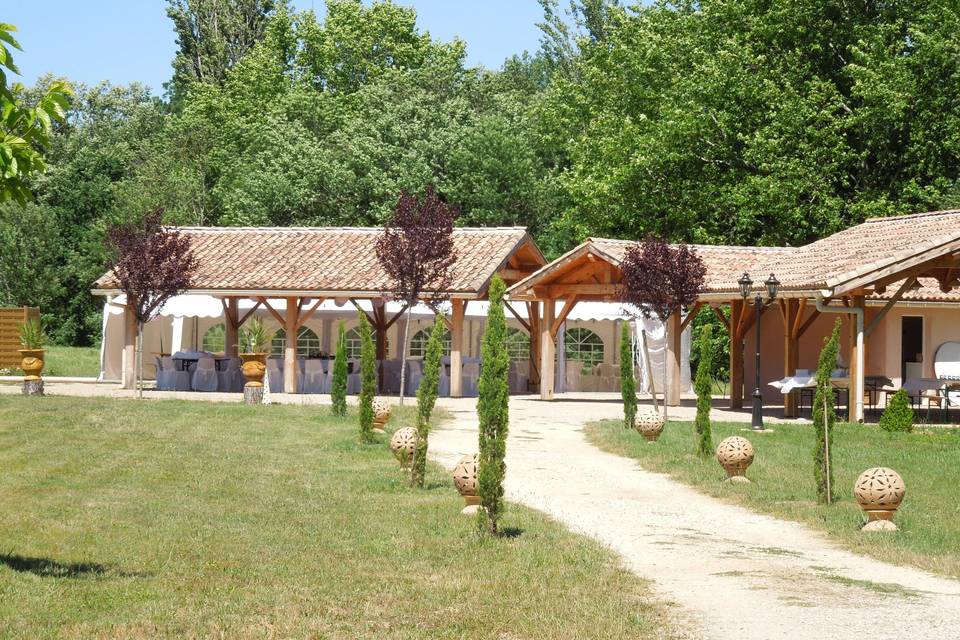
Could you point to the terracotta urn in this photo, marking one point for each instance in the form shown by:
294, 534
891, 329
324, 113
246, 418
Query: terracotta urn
31, 361
735, 454
381, 413
402, 444
879, 492
253, 368
649, 424
465, 478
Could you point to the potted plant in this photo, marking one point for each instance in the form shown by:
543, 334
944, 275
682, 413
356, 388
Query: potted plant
33, 338
254, 342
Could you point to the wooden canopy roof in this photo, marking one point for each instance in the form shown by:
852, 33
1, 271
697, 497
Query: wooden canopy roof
337, 262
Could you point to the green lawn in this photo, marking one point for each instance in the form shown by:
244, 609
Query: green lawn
126, 518
783, 485
72, 361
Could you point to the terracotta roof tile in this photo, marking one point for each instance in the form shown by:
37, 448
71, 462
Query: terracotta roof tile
326, 259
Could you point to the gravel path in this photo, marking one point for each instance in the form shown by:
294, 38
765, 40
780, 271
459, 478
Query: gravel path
734, 573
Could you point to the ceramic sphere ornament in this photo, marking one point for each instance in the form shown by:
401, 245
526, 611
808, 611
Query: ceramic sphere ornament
403, 444
735, 454
879, 492
465, 479
649, 424
381, 413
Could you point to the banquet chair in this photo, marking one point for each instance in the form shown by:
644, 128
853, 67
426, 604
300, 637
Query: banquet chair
470, 373
229, 378
313, 377
275, 375
354, 382
205, 375
414, 375
169, 378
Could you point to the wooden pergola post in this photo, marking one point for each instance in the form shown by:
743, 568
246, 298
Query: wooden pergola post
291, 327
674, 339
533, 317
231, 325
128, 365
736, 354
456, 347
856, 388
548, 350
790, 309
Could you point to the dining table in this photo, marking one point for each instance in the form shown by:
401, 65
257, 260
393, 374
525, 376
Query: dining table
187, 360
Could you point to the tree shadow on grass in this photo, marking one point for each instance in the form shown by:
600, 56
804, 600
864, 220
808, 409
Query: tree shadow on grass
511, 532
47, 568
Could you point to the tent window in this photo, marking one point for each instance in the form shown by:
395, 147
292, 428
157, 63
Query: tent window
583, 345
308, 344
518, 344
215, 339
418, 345
353, 341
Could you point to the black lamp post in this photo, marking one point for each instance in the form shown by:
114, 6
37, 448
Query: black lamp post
746, 287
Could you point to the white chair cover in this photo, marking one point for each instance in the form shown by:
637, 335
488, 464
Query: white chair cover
229, 378
275, 375
169, 379
470, 372
205, 375
313, 377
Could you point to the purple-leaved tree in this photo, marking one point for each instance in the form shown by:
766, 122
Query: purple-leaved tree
416, 251
151, 263
660, 279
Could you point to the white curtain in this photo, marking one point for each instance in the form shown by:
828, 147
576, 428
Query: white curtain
656, 344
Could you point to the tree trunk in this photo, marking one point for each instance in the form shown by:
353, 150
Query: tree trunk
403, 354
140, 360
252, 394
33, 387
666, 391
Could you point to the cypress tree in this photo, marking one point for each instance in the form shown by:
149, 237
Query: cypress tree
426, 398
823, 420
628, 383
338, 390
898, 416
493, 410
703, 385
368, 379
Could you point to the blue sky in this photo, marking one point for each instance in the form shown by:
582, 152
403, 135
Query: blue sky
132, 40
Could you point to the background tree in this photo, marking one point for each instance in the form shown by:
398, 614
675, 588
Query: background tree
824, 417
151, 264
416, 251
493, 409
212, 36
427, 398
660, 279
368, 379
24, 128
703, 386
338, 390
628, 382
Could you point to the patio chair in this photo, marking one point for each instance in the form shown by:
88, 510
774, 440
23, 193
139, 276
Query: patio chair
275, 375
470, 372
414, 375
169, 378
229, 378
205, 375
313, 377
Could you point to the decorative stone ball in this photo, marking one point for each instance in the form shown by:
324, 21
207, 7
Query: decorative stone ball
649, 424
402, 444
381, 411
879, 491
735, 454
465, 475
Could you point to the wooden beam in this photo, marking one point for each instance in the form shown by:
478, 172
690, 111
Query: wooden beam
279, 318
357, 306
548, 350
514, 274
447, 321
795, 329
562, 317
901, 268
737, 311
875, 321
717, 312
248, 313
290, 369
790, 311
456, 348
522, 321
564, 290
303, 317
781, 303
395, 317
809, 321
691, 315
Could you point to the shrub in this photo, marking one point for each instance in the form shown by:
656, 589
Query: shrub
628, 384
368, 379
703, 386
426, 399
32, 335
493, 407
898, 416
823, 420
338, 390
254, 337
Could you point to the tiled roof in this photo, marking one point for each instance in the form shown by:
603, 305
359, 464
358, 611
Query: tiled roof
312, 259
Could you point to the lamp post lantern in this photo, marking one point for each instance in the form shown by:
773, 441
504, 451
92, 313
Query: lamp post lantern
746, 288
